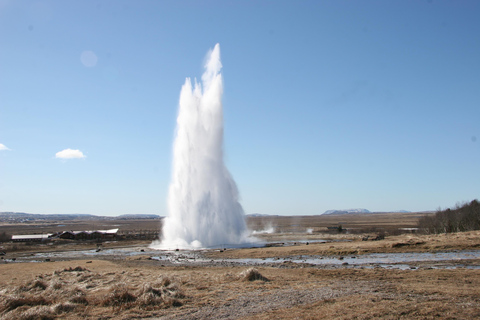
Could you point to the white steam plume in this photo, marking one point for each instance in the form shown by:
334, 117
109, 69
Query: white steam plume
203, 206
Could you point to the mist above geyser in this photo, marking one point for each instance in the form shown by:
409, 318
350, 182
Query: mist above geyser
203, 206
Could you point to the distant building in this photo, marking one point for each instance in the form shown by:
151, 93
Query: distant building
89, 235
71, 235
66, 235
31, 237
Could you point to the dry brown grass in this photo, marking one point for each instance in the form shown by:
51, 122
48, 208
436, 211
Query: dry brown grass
79, 292
15, 301
374, 307
119, 295
138, 289
354, 222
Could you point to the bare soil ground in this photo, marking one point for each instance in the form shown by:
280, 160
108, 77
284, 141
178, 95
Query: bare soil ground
138, 287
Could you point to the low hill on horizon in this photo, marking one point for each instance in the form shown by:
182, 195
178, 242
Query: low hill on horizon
360, 211
347, 211
23, 216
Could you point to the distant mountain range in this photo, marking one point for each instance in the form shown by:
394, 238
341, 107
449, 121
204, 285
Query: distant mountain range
23, 216
260, 215
356, 211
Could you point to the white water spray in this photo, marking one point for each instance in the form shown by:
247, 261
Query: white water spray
203, 207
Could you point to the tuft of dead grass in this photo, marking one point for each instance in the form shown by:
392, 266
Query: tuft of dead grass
40, 284
163, 294
119, 296
78, 268
55, 285
165, 281
14, 302
77, 296
35, 313
64, 307
252, 274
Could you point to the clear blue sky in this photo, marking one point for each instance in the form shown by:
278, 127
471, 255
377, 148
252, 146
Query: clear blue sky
327, 104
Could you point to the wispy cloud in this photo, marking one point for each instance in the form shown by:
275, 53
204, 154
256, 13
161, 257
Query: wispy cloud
3, 147
70, 154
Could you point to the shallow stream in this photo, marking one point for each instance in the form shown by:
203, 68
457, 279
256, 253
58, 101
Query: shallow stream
452, 259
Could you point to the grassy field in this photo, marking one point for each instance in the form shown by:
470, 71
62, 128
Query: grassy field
39, 227
139, 287
354, 223
131, 289
351, 222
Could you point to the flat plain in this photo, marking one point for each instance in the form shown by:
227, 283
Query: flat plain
275, 281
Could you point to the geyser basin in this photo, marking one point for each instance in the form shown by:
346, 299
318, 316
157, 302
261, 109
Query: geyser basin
203, 206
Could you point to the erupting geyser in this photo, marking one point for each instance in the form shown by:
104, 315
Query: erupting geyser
203, 207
